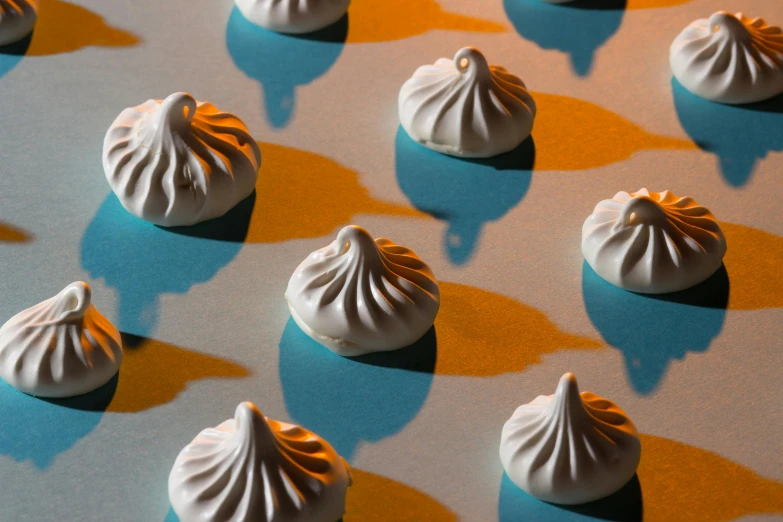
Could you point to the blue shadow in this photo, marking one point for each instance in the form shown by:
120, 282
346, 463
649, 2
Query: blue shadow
348, 401
280, 62
142, 261
171, 516
38, 430
739, 135
576, 28
514, 505
12, 54
651, 330
464, 193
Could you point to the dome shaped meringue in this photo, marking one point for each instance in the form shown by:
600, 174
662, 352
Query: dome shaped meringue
729, 58
293, 16
253, 468
464, 107
17, 19
652, 242
178, 161
359, 295
61, 347
570, 448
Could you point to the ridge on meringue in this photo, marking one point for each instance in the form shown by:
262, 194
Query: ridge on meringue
729, 58
570, 447
253, 468
178, 161
653, 242
61, 347
358, 295
17, 19
293, 16
465, 107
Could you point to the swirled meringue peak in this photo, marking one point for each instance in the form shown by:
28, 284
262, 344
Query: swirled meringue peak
61, 347
652, 242
293, 16
252, 468
17, 19
358, 295
729, 58
570, 448
465, 107
178, 162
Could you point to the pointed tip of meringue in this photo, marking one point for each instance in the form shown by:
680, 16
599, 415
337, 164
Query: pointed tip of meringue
249, 417
75, 299
356, 234
567, 385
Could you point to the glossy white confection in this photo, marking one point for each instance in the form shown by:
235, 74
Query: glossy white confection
359, 295
252, 468
61, 347
465, 107
17, 19
652, 242
293, 16
570, 448
729, 58
178, 161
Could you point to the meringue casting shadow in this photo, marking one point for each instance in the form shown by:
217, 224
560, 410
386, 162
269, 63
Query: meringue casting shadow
465, 193
142, 261
282, 63
345, 401
739, 135
39, 430
625, 505
576, 28
652, 330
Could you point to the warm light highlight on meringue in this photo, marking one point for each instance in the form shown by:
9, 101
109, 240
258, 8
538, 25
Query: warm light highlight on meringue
465, 107
177, 161
252, 468
600, 457
729, 58
17, 19
61, 347
359, 295
652, 242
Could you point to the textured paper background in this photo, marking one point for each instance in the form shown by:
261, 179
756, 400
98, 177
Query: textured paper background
212, 329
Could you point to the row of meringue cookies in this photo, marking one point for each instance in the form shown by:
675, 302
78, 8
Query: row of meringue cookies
567, 448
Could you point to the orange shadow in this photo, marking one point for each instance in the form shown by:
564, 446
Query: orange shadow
682, 482
12, 234
303, 195
754, 262
652, 4
482, 333
378, 21
573, 134
63, 27
380, 499
153, 373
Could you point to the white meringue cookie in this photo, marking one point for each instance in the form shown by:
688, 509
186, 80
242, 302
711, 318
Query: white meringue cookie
652, 242
253, 468
729, 58
61, 347
178, 161
570, 448
17, 19
293, 16
359, 295
464, 107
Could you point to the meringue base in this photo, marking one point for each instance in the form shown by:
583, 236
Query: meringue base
459, 153
339, 346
